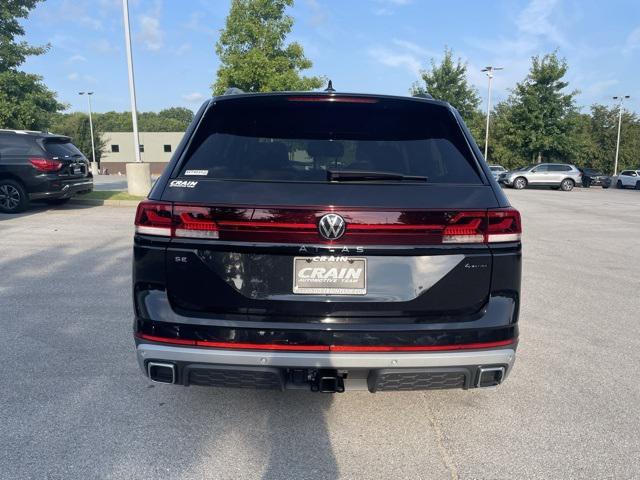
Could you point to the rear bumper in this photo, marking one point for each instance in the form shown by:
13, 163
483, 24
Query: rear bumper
363, 371
63, 189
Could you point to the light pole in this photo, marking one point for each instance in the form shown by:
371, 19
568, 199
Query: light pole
489, 72
94, 165
620, 98
132, 85
138, 173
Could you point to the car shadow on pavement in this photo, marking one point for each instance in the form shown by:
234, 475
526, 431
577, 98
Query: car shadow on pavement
39, 207
81, 408
278, 435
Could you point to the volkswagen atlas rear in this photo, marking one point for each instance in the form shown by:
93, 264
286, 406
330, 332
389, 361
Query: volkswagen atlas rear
328, 242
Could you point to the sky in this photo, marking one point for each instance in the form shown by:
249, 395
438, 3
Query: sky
373, 46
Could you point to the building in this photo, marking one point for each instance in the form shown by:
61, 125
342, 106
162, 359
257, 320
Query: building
156, 149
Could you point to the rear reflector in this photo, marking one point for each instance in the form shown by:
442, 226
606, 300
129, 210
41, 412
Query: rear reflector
300, 225
45, 165
326, 348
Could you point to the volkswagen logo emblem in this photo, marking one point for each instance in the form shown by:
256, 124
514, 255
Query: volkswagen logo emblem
331, 226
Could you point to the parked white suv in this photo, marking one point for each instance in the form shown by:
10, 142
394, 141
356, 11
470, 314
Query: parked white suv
629, 178
554, 175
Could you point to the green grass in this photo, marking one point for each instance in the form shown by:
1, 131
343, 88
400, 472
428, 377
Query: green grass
110, 195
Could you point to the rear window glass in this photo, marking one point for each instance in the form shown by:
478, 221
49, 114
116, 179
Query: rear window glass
277, 139
62, 149
18, 145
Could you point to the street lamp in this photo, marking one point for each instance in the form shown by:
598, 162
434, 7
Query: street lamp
489, 72
138, 173
620, 98
94, 165
132, 85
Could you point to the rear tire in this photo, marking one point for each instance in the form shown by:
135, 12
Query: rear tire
520, 183
619, 184
57, 201
567, 185
13, 197
638, 185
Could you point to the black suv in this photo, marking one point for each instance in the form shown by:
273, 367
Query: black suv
327, 241
39, 166
592, 177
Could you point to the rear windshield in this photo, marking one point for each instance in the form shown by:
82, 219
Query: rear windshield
284, 139
62, 149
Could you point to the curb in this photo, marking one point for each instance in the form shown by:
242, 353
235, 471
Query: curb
107, 203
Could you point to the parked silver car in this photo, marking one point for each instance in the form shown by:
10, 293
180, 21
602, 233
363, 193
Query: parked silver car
554, 175
496, 170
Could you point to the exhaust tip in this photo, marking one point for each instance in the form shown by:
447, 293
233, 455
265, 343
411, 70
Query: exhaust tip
161, 372
490, 376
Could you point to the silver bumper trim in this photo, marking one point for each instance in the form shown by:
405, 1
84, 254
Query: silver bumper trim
147, 351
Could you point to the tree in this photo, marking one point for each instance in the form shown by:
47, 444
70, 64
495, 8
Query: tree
174, 119
76, 126
448, 81
603, 132
540, 116
252, 51
25, 102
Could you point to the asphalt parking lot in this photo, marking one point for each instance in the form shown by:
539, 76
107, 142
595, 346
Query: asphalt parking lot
75, 405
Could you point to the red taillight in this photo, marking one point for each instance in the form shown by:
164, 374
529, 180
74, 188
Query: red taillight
194, 222
300, 225
503, 225
45, 165
465, 227
154, 218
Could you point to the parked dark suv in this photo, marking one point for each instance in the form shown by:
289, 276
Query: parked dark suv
39, 166
327, 241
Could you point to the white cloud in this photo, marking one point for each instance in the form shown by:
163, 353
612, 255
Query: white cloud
104, 46
318, 13
633, 40
76, 58
396, 59
410, 46
387, 7
182, 49
195, 24
535, 20
152, 35
75, 76
194, 97
404, 54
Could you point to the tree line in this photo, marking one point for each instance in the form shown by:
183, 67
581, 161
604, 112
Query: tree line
76, 125
539, 121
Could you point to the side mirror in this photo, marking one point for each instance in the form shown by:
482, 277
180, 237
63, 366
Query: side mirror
534, 170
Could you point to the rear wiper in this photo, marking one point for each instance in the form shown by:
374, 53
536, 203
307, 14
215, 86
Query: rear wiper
366, 176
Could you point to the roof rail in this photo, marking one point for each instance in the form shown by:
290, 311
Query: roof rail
423, 95
14, 130
233, 91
